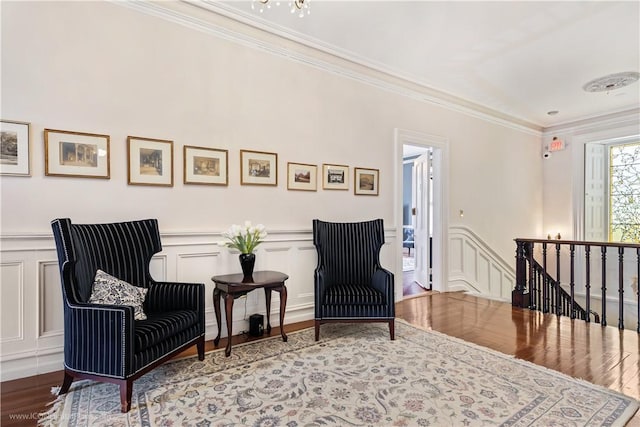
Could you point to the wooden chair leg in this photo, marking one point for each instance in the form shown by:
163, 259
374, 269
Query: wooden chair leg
126, 389
317, 330
392, 329
66, 383
200, 346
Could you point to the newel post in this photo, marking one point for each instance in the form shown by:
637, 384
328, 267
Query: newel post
520, 295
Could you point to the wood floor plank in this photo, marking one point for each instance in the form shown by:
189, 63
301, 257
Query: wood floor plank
601, 355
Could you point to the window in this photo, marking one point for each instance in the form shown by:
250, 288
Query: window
624, 192
612, 190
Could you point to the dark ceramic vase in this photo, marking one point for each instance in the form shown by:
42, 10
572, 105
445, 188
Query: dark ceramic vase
247, 262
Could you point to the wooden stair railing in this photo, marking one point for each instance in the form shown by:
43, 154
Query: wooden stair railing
547, 285
538, 290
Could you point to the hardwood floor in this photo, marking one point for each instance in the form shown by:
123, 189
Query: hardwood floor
604, 356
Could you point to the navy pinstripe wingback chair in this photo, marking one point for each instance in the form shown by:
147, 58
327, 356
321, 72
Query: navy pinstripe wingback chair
350, 284
104, 342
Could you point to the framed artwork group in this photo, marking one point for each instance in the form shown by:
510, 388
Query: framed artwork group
336, 177
150, 161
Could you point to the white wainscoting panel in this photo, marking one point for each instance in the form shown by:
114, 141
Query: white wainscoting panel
50, 300
475, 268
31, 299
12, 301
158, 267
470, 260
199, 268
483, 271
301, 276
455, 255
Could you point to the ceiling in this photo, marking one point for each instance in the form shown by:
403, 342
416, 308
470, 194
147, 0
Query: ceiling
522, 59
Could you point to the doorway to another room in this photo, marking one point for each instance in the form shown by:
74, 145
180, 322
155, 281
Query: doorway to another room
417, 219
427, 157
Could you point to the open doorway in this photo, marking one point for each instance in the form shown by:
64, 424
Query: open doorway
430, 220
417, 219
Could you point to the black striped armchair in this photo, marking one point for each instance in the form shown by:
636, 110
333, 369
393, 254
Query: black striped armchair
350, 284
104, 342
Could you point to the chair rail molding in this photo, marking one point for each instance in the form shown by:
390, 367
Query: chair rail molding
476, 268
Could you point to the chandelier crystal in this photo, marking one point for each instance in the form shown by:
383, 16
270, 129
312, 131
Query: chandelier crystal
301, 7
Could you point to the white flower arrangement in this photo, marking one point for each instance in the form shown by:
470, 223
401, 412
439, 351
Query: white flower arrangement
245, 238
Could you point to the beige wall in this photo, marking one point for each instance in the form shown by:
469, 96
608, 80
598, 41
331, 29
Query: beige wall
105, 68
100, 67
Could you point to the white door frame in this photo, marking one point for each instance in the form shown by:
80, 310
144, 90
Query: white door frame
440, 147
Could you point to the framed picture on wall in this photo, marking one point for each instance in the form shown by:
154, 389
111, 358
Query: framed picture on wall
301, 176
335, 177
150, 161
258, 168
14, 148
366, 181
207, 166
76, 154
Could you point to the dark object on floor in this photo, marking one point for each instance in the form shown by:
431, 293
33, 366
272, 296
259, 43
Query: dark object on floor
256, 325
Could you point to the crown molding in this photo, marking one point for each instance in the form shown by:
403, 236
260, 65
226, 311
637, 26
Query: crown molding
620, 118
214, 18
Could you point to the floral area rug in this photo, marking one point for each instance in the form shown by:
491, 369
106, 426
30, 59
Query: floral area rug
354, 376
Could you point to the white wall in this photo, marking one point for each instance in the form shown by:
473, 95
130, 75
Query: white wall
104, 68
563, 172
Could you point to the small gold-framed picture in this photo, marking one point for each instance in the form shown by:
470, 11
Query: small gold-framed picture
258, 168
150, 161
14, 148
76, 154
302, 176
366, 181
335, 177
206, 166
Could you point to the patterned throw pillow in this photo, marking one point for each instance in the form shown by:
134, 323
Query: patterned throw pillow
111, 290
